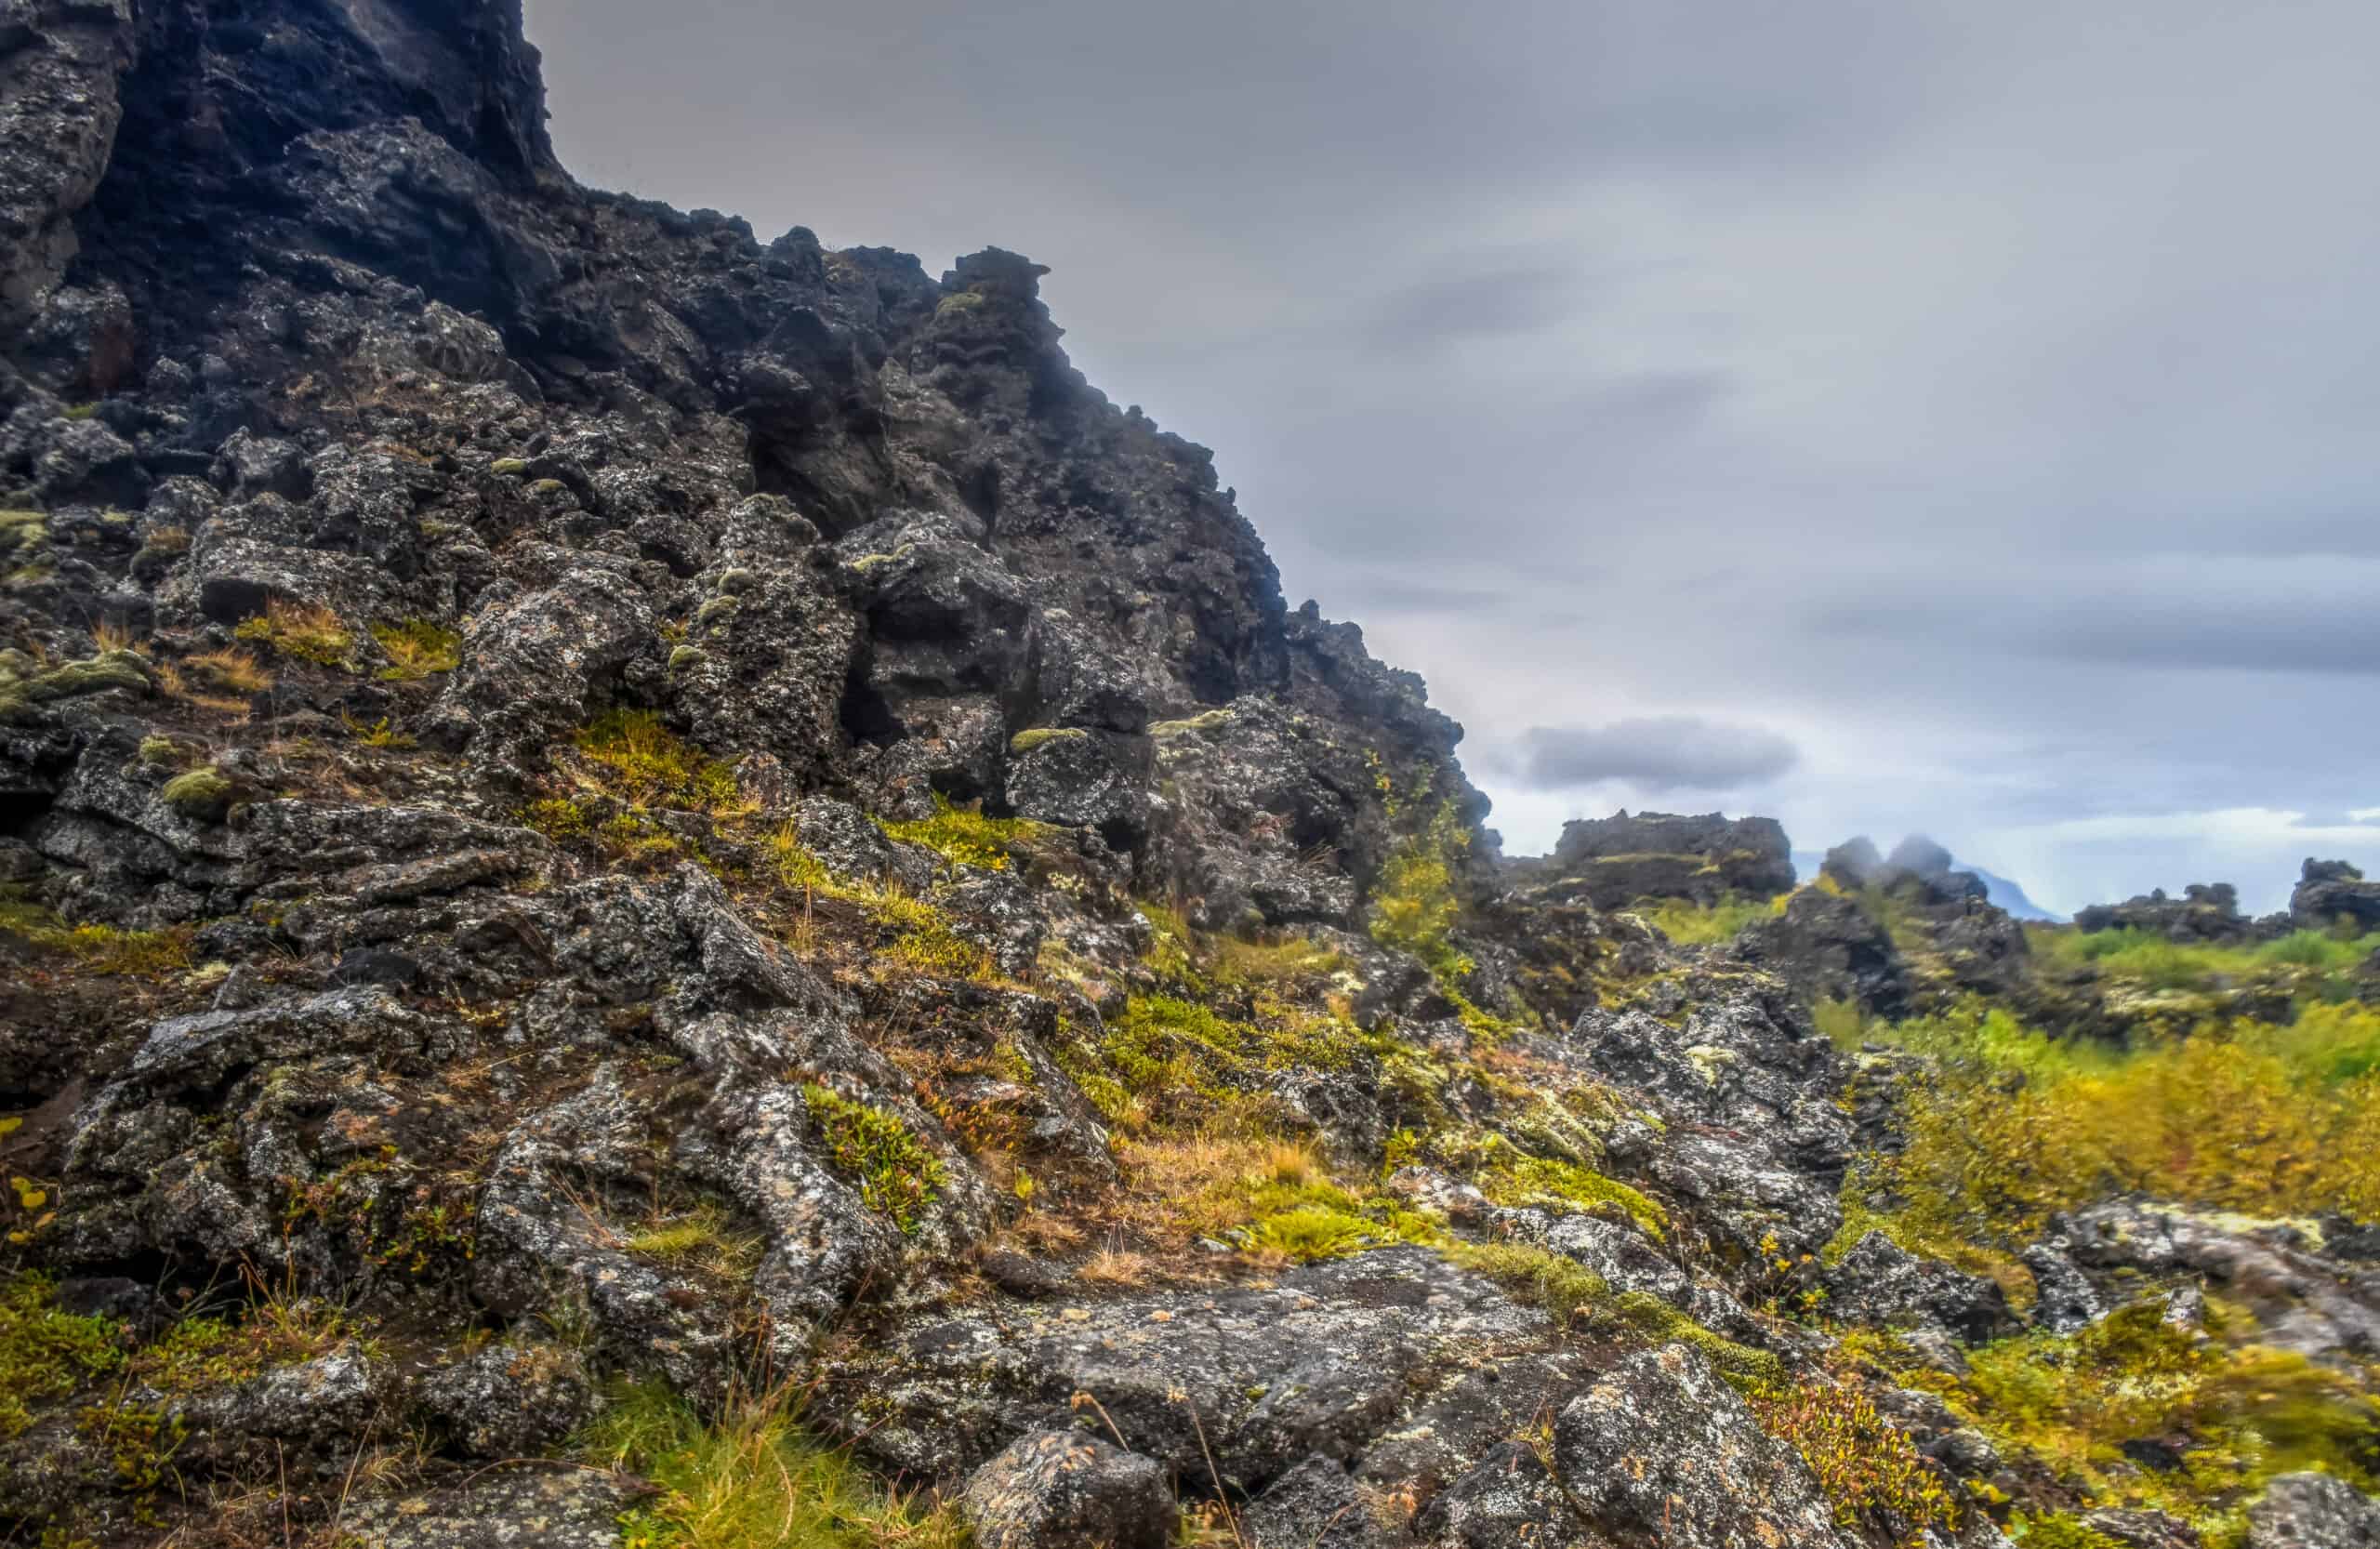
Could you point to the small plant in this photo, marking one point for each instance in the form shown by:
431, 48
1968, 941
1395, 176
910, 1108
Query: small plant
307, 634
1868, 1468
701, 1238
46, 1353
1691, 924
557, 818
379, 734
897, 1175
415, 648
230, 670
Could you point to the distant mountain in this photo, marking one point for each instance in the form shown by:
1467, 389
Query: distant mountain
2002, 892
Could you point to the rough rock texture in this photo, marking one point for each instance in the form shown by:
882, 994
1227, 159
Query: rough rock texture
1662, 1451
1613, 862
2333, 893
2206, 911
1068, 1489
590, 804
2313, 1510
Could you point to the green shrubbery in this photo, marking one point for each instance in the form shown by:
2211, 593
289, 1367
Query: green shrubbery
1868, 1467
2246, 1116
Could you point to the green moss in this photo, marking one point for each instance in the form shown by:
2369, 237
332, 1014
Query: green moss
24, 685
203, 794
716, 609
310, 634
508, 467
1026, 742
1691, 924
1210, 721
897, 1174
963, 836
685, 658
751, 1478
1543, 1181
701, 1238
418, 647
22, 530
1569, 1291
45, 1354
82, 411
160, 752
867, 562
957, 303
557, 818
2058, 1530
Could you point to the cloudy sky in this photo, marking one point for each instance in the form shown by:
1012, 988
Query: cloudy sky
1883, 414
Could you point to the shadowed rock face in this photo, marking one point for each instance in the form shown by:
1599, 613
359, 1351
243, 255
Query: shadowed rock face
586, 798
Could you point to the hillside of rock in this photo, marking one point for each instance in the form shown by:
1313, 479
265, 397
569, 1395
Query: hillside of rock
662, 889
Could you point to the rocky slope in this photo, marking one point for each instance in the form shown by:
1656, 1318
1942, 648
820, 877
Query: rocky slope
660, 889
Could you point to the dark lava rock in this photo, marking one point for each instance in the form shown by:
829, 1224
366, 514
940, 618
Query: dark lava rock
1613, 862
1661, 1451
2313, 1510
1877, 1282
2330, 894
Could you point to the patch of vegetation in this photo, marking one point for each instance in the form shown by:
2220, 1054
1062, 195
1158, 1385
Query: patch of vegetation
1181, 1057
2243, 1413
203, 794
963, 836
1691, 924
418, 647
753, 1478
378, 733
25, 683
1576, 1296
1868, 1468
2152, 960
1026, 742
2271, 1121
700, 1238
1567, 1186
641, 761
557, 818
100, 949
45, 1354
307, 634
1209, 721
22, 530
1415, 902
898, 1176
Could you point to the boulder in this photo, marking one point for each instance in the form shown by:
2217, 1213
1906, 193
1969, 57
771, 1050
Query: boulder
1661, 1451
1070, 1489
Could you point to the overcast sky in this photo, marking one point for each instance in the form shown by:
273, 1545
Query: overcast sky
1917, 414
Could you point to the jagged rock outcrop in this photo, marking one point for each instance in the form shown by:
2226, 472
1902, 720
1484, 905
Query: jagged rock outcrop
604, 822
2332, 894
2206, 911
1613, 862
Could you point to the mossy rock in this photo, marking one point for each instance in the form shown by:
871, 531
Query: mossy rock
508, 467
1026, 742
23, 686
202, 794
21, 530
160, 752
1212, 720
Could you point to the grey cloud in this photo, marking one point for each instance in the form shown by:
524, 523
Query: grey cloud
1659, 753
1973, 382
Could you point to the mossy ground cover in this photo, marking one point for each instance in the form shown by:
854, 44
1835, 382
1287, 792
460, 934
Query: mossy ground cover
1691, 924
897, 1175
963, 836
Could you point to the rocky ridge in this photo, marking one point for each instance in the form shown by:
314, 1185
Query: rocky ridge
635, 861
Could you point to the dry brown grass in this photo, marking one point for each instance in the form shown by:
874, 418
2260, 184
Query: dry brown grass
1117, 1269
